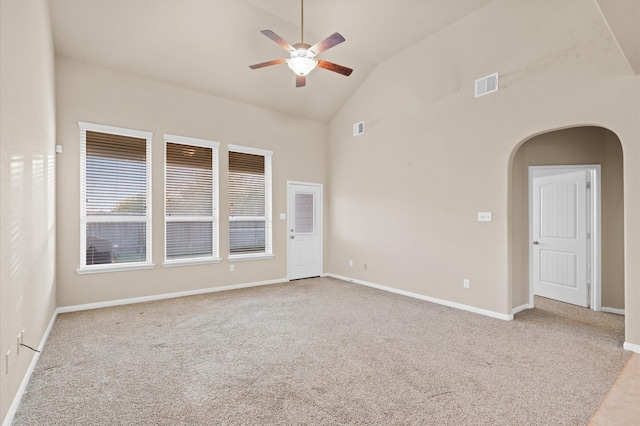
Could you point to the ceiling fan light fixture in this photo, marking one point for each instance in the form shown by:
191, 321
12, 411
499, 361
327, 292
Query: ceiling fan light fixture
302, 55
302, 65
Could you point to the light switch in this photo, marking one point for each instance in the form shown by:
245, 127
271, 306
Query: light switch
283, 216
58, 149
484, 216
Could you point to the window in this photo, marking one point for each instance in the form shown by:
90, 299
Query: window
115, 201
191, 200
249, 203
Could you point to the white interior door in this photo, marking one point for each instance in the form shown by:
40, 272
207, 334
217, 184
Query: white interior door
305, 230
559, 235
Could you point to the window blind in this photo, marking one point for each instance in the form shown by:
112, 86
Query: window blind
190, 207
116, 171
116, 199
247, 203
246, 184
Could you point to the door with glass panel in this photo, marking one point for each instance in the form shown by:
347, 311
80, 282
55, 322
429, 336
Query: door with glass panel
304, 230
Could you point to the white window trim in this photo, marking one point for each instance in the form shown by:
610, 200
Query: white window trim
116, 267
194, 261
91, 269
215, 219
250, 150
190, 141
268, 205
250, 256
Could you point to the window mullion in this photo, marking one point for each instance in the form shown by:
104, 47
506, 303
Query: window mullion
108, 219
189, 218
246, 218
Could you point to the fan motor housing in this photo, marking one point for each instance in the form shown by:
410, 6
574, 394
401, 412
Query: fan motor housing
302, 50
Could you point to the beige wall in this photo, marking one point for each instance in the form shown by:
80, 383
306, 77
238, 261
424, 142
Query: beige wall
27, 186
613, 257
405, 195
624, 21
87, 93
583, 145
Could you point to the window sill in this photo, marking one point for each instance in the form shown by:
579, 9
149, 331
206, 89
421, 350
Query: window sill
114, 268
187, 262
245, 257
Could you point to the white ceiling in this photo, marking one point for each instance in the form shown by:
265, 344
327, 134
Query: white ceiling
208, 45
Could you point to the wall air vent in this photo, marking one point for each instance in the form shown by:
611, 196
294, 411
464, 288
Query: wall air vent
358, 129
486, 85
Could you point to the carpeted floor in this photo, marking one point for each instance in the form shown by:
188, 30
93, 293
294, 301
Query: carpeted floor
322, 351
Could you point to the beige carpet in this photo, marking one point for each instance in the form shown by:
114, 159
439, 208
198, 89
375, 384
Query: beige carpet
322, 351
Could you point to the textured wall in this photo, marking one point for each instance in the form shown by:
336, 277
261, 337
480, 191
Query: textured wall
27, 186
86, 93
582, 145
405, 195
623, 17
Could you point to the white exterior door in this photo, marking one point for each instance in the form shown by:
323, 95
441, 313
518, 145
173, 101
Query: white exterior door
305, 230
560, 226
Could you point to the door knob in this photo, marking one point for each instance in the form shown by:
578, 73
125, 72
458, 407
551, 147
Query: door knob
535, 243
293, 236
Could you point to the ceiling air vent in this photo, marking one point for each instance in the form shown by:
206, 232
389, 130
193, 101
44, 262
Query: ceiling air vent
486, 85
358, 129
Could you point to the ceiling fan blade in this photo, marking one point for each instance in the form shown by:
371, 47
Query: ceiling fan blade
275, 37
334, 67
301, 80
266, 64
327, 43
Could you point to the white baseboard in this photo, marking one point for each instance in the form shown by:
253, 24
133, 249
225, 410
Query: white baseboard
631, 347
521, 308
612, 310
75, 308
119, 302
425, 298
25, 381
603, 309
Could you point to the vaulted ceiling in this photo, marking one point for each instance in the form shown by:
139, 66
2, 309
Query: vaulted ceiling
207, 45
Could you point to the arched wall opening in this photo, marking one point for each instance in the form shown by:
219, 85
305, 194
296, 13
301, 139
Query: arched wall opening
572, 146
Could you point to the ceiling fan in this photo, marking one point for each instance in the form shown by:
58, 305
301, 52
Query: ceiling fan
302, 56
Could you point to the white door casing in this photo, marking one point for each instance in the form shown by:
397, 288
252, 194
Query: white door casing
564, 242
304, 227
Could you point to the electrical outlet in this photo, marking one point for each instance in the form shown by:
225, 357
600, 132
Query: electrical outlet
465, 283
351, 263
232, 267
6, 363
18, 345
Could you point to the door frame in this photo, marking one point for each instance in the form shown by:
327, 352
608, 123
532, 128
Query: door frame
290, 185
594, 223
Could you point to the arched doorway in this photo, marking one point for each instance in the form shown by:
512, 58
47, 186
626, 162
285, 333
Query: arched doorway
572, 146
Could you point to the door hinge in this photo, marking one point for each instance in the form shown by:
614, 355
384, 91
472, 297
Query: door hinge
588, 235
588, 185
